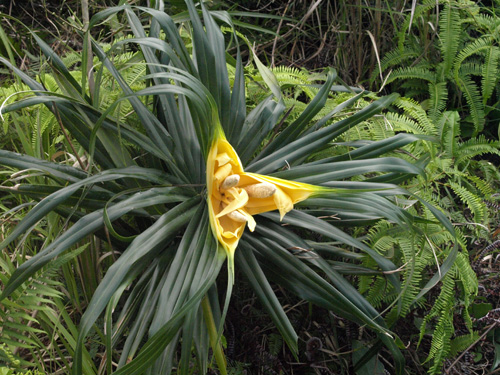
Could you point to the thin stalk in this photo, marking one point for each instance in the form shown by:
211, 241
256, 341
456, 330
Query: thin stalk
63, 129
87, 53
213, 336
6, 42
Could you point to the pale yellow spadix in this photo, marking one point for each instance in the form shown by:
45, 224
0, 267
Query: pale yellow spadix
234, 196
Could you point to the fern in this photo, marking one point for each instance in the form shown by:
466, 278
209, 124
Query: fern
300, 80
442, 345
416, 256
456, 171
448, 63
412, 72
484, 22
490, 72
393, 58
473, 67
404, 123
460, 343
414, 88
479, 46
474, 102
475, 147
415, 253
441, 342
472, 201
414, 110
378, 292
449, 35
438, 93
42, 295
489, 171
449, 125
484, 187
441, 336
469, 284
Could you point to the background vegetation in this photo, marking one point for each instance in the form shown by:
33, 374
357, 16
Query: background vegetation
440, 57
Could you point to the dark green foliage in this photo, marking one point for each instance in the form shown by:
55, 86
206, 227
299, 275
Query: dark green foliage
459, 67
140, 130
141, 191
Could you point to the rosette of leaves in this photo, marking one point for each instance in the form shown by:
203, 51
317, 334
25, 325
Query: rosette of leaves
142, 188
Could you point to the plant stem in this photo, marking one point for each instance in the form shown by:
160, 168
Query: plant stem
88, 52
212, 334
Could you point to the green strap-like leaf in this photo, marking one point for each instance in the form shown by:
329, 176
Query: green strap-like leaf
59, 197
302, 220
303, 146
374, 149
138, 309
289, 271
318, 174
250, 267
88, 225
154, 128
58, 64
174, 117
22, 162
292, 132
236, 124
174, 39
130, 264
295, 244
157, 343
259, 122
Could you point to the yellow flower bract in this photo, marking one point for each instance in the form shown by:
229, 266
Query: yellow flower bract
234, 196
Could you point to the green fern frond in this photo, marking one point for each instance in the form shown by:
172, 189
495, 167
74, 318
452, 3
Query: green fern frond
440, 344
384, 244
403, 123
460, 343
484, 22
289, 72
461, 240
72, 58
377, 292
475, 147
472, 67
489, 171
134, 75
393, 58
414, 88
412, 72
469, 284
437, 101
449, 129
414, 110
449, 35
377, 129
473, 98
40, 293
296, 78
438, 237
442, 303
484, 187
475, 203
416, 259
49, 82
441, 336
490, 72
467, 276
479, 46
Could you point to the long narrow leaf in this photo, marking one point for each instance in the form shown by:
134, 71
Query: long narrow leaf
303, 146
